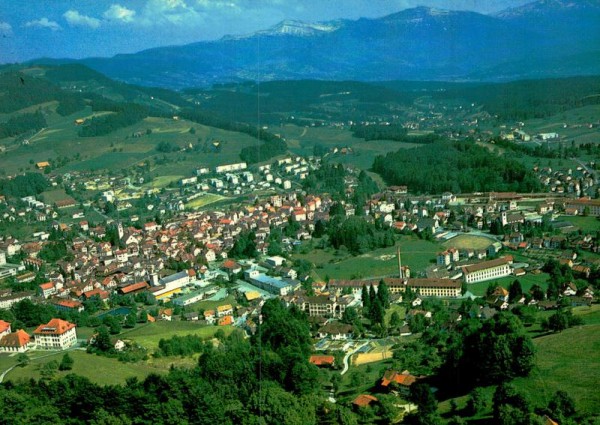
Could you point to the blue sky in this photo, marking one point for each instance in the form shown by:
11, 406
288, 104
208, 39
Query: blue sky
82, 28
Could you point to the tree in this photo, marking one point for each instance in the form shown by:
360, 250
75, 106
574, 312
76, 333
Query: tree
421, 395
395, 320
130, 320
101, 341
23, 360
366, 300
537, 292
558, 322
113, 324
515, 292
476, 402
48, 370
383, 293
387, 409
66, 363
561, 405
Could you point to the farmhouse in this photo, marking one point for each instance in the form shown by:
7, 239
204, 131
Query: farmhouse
493, 269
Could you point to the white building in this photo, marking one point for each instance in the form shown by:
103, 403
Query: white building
57, 334
231, 167
487, 270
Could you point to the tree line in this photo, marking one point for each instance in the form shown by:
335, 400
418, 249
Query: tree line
125, 114
22, 123
271, 147
24, 185
391, 132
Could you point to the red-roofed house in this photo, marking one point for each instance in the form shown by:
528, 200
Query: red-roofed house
226, 320
4, 328
133, 288
47, 289
231, 267
69, 305
16, 342
402, 381
57, 334
364, 400
326, 361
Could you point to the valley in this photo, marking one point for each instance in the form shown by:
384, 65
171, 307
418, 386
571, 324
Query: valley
378, 219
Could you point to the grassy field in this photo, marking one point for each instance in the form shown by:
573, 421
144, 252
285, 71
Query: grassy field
360, 379
301, 140
586, 224
202, 201
101, 370
119, 149
468, 242
566, 361
574, 118
527, 282
211, 305
416, 253
150, 334
395, 308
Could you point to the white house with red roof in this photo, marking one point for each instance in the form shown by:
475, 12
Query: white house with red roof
57, 334
47, 289
4, 328
15, 342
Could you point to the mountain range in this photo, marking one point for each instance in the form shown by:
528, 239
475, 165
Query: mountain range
546, 38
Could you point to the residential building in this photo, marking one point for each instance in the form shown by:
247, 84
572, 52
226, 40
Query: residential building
4, 328
15, 342
57, 334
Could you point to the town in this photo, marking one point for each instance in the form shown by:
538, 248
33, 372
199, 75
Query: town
96, 283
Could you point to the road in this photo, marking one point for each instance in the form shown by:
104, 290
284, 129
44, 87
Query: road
349, 354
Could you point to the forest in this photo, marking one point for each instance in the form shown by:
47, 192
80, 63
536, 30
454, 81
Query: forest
391, 132
264, 380
271, 147
124, 115
24, 185
458, 167
19, 91
22, 123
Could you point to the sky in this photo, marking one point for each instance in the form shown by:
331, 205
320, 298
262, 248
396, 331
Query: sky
32, 29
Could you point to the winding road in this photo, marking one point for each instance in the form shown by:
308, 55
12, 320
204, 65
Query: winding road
349, 354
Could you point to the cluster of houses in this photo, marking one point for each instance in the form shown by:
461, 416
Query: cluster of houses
578, 182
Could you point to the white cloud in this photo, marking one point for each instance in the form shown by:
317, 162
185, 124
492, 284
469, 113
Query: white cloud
116, 12
75, 18
5, 28
174, 12
44, 23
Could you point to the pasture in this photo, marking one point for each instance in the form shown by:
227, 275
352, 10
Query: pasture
566, 361
416, 254
98, 369
301, 141
150, 334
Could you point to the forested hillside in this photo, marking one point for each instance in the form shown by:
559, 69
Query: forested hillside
456, 167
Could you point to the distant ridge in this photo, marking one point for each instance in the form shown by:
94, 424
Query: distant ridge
546, 38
